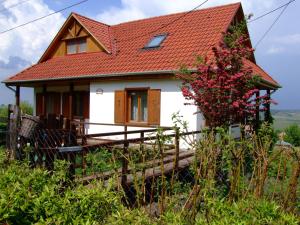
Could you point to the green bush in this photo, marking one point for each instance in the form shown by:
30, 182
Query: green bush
29, 196
293, 134
247, 211
26, 108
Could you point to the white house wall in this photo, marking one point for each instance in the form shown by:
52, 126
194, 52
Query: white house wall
172, 101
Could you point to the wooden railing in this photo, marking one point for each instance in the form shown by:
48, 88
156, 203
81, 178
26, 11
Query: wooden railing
126, 142
148, 135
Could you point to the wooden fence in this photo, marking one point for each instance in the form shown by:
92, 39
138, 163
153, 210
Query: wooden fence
65, 144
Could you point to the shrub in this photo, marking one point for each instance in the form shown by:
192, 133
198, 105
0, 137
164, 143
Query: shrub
26, 108
30, 196
293, 134
247, 211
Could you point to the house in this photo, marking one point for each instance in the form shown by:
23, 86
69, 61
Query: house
124, 74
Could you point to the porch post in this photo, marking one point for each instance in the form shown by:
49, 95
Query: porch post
17, 95
44, 100
268, 110
71, 92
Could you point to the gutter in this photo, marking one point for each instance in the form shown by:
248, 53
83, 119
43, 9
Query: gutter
158, 72
270, 85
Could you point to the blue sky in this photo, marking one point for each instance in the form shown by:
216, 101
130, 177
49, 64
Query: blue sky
278, 53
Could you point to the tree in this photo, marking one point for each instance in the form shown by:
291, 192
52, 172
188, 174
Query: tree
223, 88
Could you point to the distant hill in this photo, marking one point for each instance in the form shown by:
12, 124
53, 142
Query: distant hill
284, 118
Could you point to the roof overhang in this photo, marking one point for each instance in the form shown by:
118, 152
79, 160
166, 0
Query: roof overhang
263, 84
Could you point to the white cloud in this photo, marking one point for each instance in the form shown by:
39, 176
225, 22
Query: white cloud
288, 39
30, 41
275, 50
138, 9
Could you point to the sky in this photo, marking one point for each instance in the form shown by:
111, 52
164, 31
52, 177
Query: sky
278, 53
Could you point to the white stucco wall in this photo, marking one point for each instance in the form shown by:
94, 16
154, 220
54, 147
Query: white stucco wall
172, 101
102, 105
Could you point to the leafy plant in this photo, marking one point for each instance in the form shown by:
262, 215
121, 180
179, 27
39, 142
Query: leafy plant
29, 196
293, 134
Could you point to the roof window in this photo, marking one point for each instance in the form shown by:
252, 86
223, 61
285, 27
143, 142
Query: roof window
156, 41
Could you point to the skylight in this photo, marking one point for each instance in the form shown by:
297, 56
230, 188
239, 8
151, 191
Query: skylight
156, 41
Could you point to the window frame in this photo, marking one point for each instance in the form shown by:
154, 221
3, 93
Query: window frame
164, 37
77, 42
128, 105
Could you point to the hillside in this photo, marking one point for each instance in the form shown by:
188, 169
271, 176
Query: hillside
284, 118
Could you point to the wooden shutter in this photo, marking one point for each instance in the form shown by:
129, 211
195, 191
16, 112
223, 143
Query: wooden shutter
66, 105
39, 104
86, 105
154, 107
120, 106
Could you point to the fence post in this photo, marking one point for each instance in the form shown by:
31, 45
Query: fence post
142, 141
177, 139
125, 165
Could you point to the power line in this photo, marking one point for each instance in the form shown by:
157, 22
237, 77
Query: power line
166, 25
43, 17
272, 25
14, 5
274, 10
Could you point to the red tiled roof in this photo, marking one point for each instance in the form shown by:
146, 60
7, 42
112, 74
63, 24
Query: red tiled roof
192, 35
257, 70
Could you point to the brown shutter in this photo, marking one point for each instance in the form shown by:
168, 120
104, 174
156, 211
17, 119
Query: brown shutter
39, 104
66, 105
154, 107
120, 106
86, 105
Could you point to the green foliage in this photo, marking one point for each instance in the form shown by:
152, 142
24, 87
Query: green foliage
235, 32
127, 217
247, 211
3, 111
29, 196
267, 133
26, 108
101, 161
293, 134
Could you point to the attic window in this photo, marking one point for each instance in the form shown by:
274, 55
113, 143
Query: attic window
76, 46
156, 41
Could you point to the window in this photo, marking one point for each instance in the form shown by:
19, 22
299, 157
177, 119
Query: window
76, 46
137, 105
141, 105
156, 41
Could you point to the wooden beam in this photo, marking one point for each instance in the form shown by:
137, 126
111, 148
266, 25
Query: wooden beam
71, 94
18, 95
44, 100
268, 110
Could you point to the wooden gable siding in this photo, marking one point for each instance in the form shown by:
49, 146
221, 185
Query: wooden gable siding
73, 30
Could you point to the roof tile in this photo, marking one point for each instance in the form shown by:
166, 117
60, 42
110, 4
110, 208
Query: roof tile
193, 35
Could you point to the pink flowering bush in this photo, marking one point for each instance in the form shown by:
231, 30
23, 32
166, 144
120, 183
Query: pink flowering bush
223, 88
